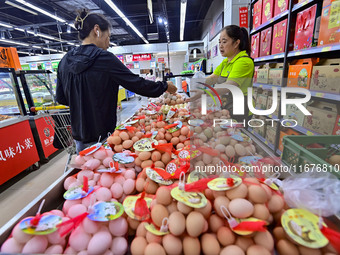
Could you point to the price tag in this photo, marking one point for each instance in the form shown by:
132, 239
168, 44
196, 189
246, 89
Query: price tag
319, 94
298, 53
266, 142
328, 48
262, 59
309, 133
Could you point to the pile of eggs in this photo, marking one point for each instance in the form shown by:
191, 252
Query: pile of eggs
170, 99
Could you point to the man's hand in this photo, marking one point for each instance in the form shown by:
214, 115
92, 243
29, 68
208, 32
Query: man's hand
171, 87
198, 94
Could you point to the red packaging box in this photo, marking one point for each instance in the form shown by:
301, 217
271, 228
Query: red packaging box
336, 130
266, 42
255, 45
267, 10
257, 14
280, 6
279, 37
330, 25
304, 28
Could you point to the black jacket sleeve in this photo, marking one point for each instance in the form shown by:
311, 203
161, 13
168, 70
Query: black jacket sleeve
60, 95
121, 75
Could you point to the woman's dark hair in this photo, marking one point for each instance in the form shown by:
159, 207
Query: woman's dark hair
85, 22
151, 71
239, 33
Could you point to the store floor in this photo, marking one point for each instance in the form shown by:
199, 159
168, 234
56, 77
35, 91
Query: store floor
21, 190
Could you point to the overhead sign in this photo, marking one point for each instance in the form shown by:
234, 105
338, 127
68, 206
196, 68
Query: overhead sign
141, 57
243, 17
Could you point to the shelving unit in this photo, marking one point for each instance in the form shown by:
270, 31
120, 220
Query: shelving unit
326, 51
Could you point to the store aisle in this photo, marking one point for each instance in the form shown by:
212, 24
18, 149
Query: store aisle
24, 190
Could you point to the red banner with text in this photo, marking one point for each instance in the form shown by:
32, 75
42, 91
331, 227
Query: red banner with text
243, 17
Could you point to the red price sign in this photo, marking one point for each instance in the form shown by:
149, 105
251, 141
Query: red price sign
243, 17
141, 57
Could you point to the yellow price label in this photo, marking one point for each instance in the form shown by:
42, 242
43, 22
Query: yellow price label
319, 94
298, 53
266, 142
309, 133
324, 49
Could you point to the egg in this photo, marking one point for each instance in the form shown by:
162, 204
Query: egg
144, 155
106, 180
264, 239
151, 238
268, 190
130, 174
194, 223
207, 159
230, 151
172, 245
261, 212
275, 204
191, 246
156, 156
163, 196
184, 130
76, 210
146, 163
140, 184
11, 246
154, 249
69, 250
54, 249
167, 136
127, 144
241, 208
118, 148
151, 186
221, 201
308, 251
166, 158
68, 181
172, 207
79, 239
257, 194
119, 246
206, 210
240, 191
244, 242
240, 150
124, 135
103, 238
279, 233
215, 223
232, 250
90, 226
174, 141
118, 227
37, 244
158, 213
139, 134
20, 236
284, 247
210, 244
114, 140
141, 230
225, 236
257, 250
120, 179
103, 194
129, 186
133, 224
184, 208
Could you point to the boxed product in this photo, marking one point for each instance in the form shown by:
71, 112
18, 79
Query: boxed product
326, 76
255, 92
323, 118
329, 26
261, 130
275, 74
288, 131
270, 134
336, 130
305, 28
267, 10
262, 74
266, 42
294, 113
280, 6
270, 102
255, 73
255, 45
261, 102
257, 14
279, 37
300, 72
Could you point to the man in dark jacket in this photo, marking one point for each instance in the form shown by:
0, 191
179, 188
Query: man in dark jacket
88, 81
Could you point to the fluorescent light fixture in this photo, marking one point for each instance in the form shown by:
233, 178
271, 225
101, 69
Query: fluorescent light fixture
14, 42
49, 49
23, 52
183, 13
70, 43
20, 29
21, 8
68, 29
3, 35
36, 33
36, 8
5, 25
37, 47
128, 22
113, 44
160, 20
165, 22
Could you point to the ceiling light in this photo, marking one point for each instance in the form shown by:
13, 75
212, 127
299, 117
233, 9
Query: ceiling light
37, 47
113, 44
5, 25
20, 29
60, 31
160, 20
23, 52
35, 31
68, 29
50, 49
70, 43
14, 42
3, 35
21, 8
183, 13
9, 34
128, 22
36, 8
165, 22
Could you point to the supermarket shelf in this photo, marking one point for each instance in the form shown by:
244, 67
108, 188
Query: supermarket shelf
272, 116
270, 58
300, 6
302, 130
314, 50
270, 22
262, 139
266, 86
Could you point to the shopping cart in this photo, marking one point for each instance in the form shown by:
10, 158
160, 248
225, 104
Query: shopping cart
58, 117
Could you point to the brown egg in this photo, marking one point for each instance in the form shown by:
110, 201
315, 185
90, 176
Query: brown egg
191, 246
232, 250
146, 163
154, 249
138, 246
257, 250
162, 141
177, 223
182, 138
241, 208
244, 242
138, 162
127, 144
206, 210
134, 139
116, 140
150, 186
144, 155
133, 224
147, 128
209, 194
174, 141
184, 208
179, 146
215, 223
172, 207
141, 230
116, 132
176, 133
230, 151
194, 224
264, 239
225, 236
166, 158
275, 204
139, 134
261, 212
240, 191
221, 201
250, 180
158, 213
163, 196
124, 135
308, 251
151, 238
140, 184
240, 150
184, 131
279, 233
118, 148
257, 194
159, 164
284, 247
156, 156
268, 190
172, 244
210, 244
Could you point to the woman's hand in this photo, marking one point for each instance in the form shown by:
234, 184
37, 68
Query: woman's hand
198, 94
171, 87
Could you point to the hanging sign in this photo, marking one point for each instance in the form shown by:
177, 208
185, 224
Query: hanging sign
243, 16
141, 57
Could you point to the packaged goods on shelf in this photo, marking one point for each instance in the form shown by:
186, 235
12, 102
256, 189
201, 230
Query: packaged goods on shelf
255, 92
336, 130
323, 118
263, 73
294, 113
329, 27
266, 42
257, 14
325, 76
261, 102
270, 134
279, 37
280, 6
307, 23
255, 45
256, 73
275, 74
270, 102
4, 117
300, 72
267, 10
286, 131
